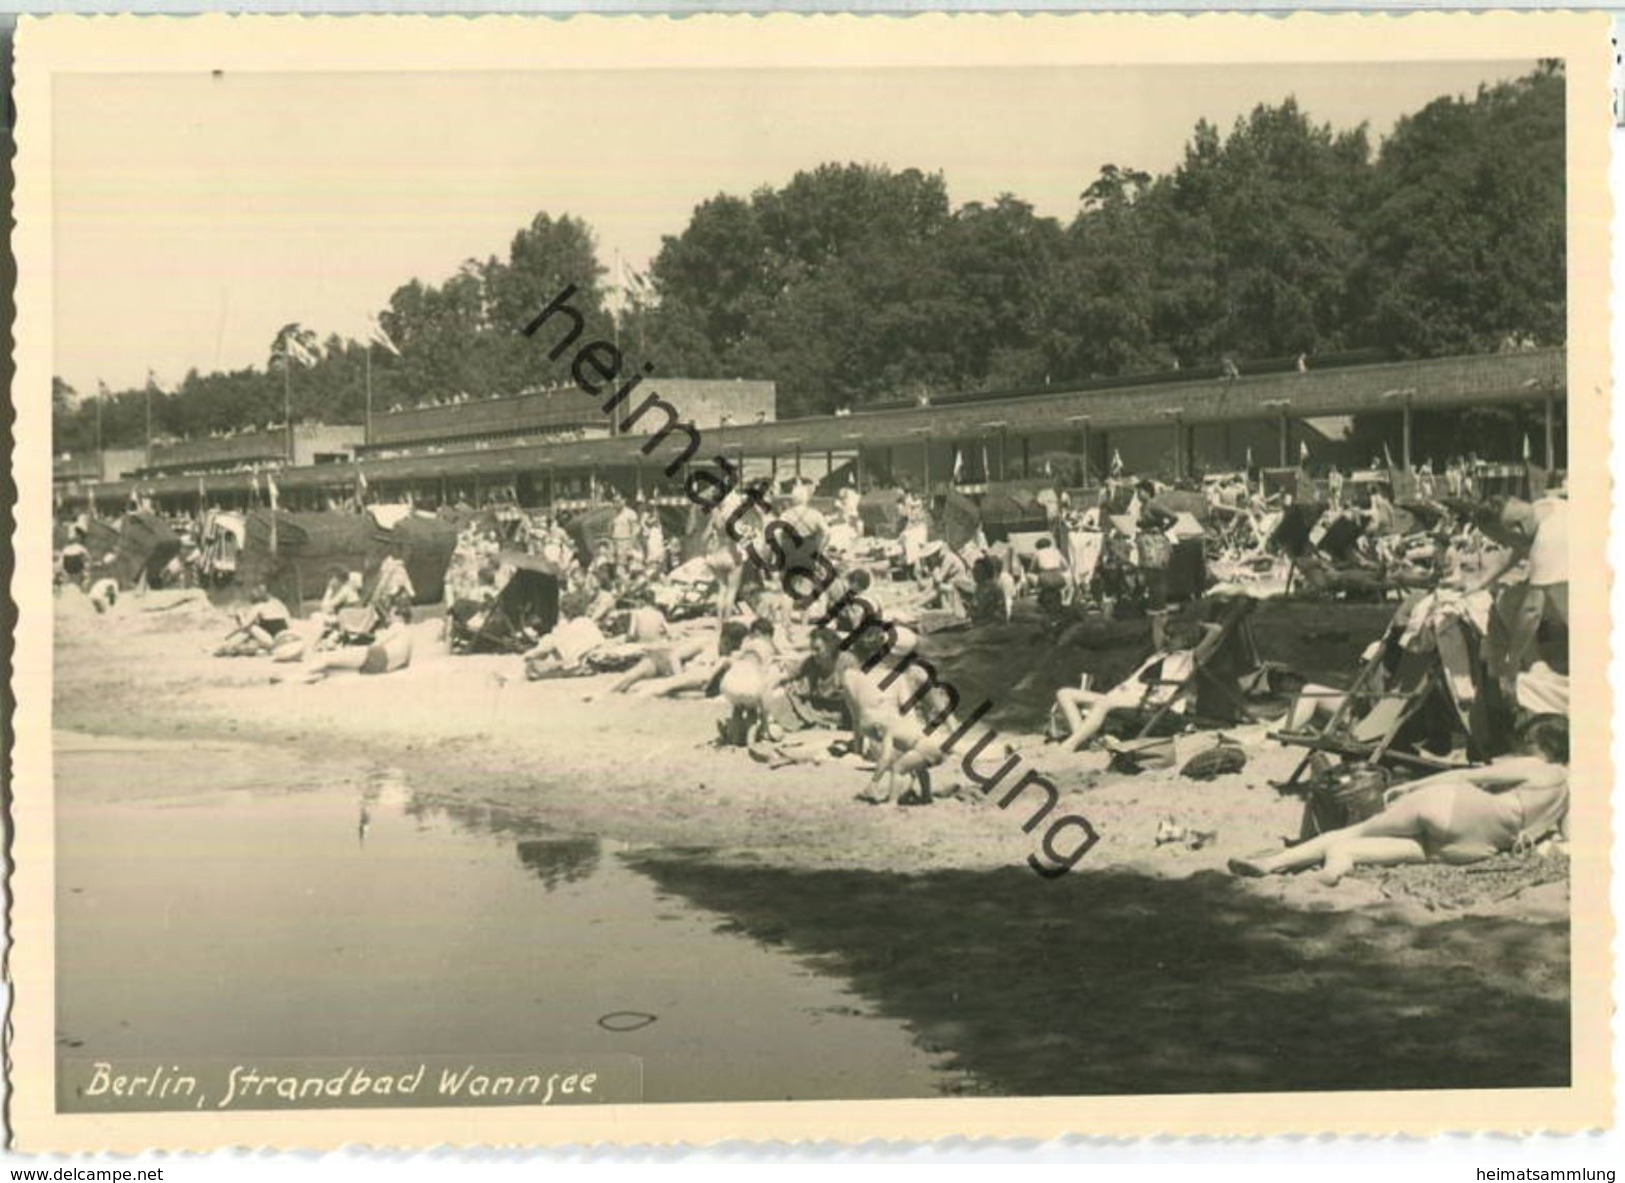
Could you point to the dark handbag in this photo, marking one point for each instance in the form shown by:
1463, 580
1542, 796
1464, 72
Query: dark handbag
1343, 796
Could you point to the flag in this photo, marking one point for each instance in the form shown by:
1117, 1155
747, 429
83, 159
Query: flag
294, 349
360, 484
1303, 452
1117, 462
377, 336
959, 466
852, 475
1047, 471
271, 489
987, 472
1526, 447
1387, 456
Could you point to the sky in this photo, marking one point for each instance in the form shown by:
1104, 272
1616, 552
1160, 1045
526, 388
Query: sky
195, 214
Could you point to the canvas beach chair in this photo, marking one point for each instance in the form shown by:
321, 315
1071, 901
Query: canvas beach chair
1226, 683
1422, 686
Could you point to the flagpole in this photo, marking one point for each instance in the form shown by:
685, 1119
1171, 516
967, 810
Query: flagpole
366, 432
287, 398
101, 455
149, 418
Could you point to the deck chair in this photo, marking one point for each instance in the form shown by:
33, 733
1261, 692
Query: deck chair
1224, 684
1378, 713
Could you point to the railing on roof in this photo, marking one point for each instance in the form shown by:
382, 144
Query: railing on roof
543, 410
232, 449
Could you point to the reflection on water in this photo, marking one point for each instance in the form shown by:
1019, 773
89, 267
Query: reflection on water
559, 860
200, 914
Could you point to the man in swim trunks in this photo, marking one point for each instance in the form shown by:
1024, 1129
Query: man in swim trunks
390, 650
1461, 816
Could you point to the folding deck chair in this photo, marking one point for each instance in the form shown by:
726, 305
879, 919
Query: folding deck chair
1369, 736
1225, 682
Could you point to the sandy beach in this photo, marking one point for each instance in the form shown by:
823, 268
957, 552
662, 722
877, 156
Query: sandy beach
646, 771
1091, 983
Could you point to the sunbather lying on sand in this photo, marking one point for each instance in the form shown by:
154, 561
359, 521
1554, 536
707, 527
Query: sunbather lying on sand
391, 650
669, 659
564, 650
1461, 816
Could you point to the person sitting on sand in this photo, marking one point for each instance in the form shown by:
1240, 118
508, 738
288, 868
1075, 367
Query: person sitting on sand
750, 683
394, 582
885, 716
995, 595
646, 624
1160, 680
1050, 571
103, 594
391, 650
1461, 816
860, 585
259, 627
343, 591
949, 575
602, 602
75, 561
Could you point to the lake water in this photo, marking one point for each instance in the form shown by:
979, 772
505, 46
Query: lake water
231, 902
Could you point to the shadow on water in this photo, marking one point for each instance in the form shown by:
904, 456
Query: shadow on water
1117, 983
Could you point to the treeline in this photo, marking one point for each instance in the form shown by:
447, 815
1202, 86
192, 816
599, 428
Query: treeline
854, 283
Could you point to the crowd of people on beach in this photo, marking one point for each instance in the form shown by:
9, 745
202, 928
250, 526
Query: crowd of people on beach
687, 612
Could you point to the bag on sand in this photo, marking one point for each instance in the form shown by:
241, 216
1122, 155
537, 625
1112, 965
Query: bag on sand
1343, 796
1134, 756
1223, 759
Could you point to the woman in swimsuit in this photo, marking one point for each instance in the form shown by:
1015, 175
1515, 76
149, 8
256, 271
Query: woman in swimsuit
726, 557
1461, 816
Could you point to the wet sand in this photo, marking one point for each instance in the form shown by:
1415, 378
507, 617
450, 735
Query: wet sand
1104, 980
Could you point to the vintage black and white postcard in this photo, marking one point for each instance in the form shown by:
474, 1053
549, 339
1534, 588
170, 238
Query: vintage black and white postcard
637, 580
